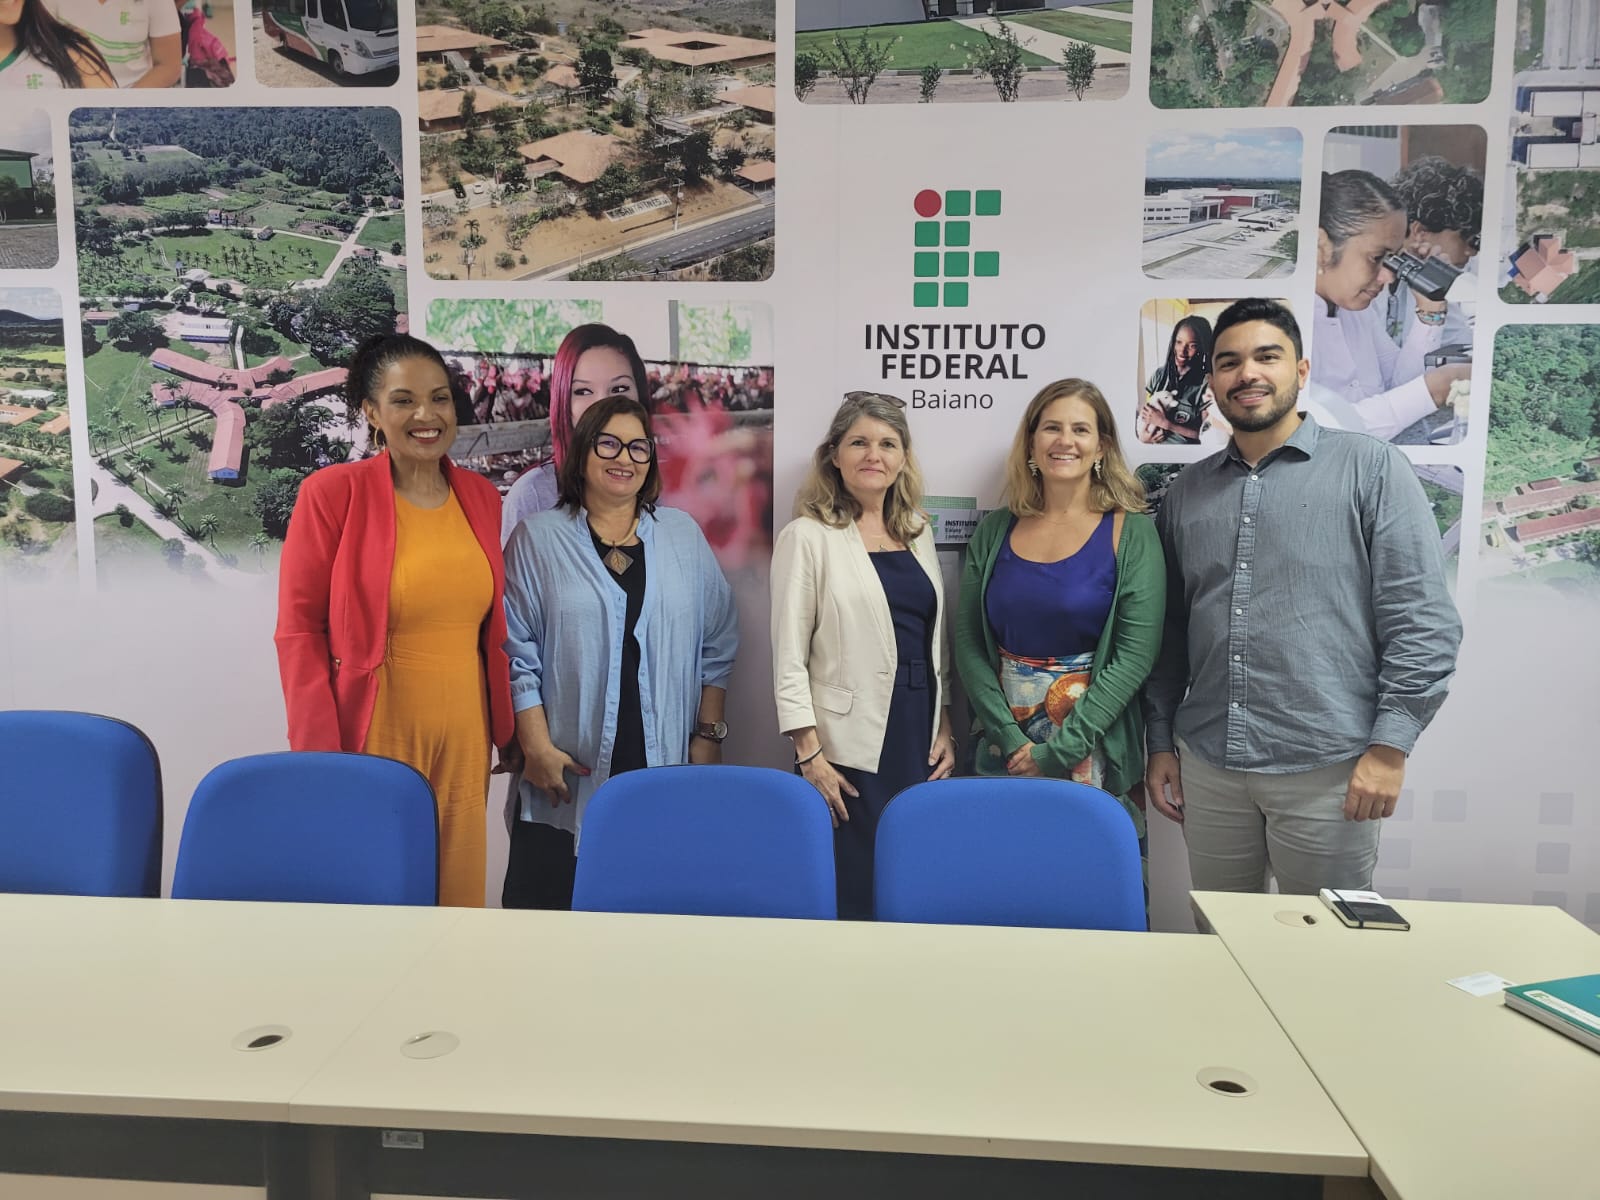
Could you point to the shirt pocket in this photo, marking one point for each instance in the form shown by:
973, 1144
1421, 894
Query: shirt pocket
834, 699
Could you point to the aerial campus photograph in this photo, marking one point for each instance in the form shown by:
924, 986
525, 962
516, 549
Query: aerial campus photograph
1222, 205
36, 496
228, 261
1541, 489
584, 140
1551, 221
1249, 54
961, 51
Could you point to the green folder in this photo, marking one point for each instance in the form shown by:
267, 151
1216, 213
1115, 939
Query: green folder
1569, 1006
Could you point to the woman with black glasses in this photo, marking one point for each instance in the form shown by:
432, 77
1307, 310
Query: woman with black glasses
621, 635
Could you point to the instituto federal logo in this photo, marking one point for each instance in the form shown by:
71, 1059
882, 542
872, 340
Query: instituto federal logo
944, 260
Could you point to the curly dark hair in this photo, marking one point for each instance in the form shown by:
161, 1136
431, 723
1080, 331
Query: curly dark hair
1441, 195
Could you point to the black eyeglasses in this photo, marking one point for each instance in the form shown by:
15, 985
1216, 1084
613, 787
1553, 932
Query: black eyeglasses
862, 397
641, 450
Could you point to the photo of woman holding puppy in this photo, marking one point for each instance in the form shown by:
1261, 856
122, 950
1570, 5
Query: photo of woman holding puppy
1178, 396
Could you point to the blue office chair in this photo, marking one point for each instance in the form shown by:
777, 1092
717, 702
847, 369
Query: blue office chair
1040, 852
316, 827
707, 841
80, 806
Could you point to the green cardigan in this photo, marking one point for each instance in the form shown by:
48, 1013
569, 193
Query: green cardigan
1108, 714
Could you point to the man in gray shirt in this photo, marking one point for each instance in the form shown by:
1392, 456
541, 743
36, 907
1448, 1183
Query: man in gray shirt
1309, 633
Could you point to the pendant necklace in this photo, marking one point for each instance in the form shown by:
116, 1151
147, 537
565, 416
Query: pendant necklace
616, 558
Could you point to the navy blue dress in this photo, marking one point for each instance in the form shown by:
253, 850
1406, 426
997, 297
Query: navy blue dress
907, 738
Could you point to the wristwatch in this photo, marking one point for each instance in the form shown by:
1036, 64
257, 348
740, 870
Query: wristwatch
712, 731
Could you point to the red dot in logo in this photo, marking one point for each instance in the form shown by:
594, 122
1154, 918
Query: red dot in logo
928, 203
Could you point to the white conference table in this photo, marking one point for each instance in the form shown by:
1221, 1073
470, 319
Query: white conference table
608, 1055
128, 1011
1453, 1095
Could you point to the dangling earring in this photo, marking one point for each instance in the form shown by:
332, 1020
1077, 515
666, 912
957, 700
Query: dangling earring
1099, 468
1033, 467
377, 437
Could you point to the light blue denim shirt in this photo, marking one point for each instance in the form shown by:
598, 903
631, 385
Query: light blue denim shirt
564, 622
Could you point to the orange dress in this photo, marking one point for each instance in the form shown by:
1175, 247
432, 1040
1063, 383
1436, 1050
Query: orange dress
432, 709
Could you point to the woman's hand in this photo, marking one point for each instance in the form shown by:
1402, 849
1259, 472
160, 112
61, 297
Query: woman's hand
1024, 763
819, 773
704, 752
546, 768
511, 759
942, 757
1148, 422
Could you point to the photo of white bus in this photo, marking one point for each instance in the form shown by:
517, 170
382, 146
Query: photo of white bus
350, 37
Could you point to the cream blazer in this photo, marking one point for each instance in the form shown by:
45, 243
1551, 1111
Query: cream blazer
833, 648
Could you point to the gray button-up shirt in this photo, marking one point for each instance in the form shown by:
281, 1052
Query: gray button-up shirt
1307, 613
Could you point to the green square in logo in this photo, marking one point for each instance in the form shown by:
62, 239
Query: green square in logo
926, 233
955, 263
957, 233
926, 264
986, 262
989, 204
925, 295
955, 295
958, 204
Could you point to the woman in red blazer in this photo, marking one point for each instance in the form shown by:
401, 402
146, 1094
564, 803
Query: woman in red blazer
390, 622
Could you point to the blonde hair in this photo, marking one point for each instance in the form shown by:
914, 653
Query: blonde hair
1113, 487
823, 496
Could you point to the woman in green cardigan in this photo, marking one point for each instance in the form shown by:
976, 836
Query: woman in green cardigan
1062, 602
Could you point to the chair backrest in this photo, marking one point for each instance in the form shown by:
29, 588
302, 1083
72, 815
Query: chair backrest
80, 806
1041, 852
707, 841
317, 827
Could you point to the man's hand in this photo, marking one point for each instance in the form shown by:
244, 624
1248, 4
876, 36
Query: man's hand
1375, 784
1163, 773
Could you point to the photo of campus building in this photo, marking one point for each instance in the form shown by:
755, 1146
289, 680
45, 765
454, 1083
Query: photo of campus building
1551, 229
623, 145
37, 509
1541, 493
1244, 54
961, 51
27, 192
1222, 206
228, 262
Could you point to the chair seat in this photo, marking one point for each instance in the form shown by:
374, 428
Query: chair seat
707, 841
317, 827
1031, 852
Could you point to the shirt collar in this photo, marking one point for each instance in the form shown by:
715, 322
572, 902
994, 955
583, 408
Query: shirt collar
1303, 441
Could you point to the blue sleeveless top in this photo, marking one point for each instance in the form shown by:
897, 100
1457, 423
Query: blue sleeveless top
1056, 609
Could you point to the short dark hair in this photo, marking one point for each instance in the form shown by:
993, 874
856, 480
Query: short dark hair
1350, 200
1441, 195
569, 477
1242, 312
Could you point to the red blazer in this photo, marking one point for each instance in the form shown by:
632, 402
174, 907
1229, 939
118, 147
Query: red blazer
333, 601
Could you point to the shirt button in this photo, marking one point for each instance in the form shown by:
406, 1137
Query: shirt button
1238, 612
1237, 657
1244, 566
1247, 520
1235, 704
1255, 478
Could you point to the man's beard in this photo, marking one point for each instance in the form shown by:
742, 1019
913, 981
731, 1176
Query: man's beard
1253, 420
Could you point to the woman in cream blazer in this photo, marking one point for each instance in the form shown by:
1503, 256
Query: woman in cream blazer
858, 631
